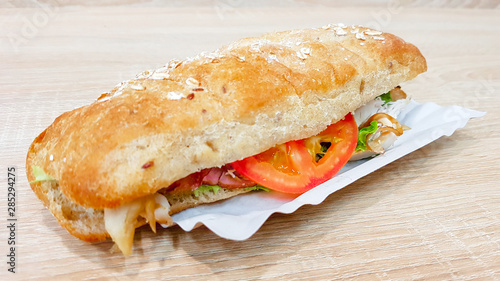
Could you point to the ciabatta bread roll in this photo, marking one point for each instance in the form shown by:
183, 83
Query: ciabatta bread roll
205, 112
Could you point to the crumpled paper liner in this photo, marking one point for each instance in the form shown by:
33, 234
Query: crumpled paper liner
240, 217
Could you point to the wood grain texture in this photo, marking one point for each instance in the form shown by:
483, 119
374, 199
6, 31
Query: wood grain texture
221, 4
432, 215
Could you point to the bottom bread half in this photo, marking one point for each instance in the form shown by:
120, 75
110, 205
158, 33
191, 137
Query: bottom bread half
88, 224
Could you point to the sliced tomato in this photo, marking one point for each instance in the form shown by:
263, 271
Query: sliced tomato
293, 167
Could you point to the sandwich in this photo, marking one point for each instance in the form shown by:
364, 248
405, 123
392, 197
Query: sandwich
281, 112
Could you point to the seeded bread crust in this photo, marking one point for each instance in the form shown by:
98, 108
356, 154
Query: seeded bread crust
207, 111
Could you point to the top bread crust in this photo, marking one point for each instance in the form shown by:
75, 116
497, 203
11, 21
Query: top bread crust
217, 108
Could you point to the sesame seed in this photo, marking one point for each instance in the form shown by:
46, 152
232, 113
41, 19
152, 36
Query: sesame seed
360, 35
271, 58
340, 31
51, 158
144, 74
137, 87
373, 32
306, 51
174, 96
160, 75
173, 64
119, 90
192, 82
301, 55
255, 47
210, 55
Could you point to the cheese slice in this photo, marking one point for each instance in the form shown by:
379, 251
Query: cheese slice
121, 222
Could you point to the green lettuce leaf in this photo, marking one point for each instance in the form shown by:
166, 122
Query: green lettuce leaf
40, 175
363, 132
386, 98
258, 187
204, 188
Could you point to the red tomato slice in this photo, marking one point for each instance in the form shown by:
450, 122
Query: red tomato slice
293, 167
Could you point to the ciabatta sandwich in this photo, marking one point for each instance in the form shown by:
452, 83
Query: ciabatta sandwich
262, 113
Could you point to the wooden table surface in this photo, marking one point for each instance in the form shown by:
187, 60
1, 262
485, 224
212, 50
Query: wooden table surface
432, 215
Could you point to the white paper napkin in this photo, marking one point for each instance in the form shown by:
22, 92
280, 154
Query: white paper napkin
240, 217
